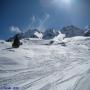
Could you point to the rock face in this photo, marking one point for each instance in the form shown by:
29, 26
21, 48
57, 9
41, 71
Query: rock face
71, 31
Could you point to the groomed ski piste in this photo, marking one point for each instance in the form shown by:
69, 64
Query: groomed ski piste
35, 65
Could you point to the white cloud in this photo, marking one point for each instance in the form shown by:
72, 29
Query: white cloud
15, 29
32, 24
42, 22
41, 28
33, 18
38, 22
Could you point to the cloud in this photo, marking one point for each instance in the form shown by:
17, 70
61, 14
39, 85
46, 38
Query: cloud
38, 22
15, 29
47, 16
42, 22
33, 18
32, 23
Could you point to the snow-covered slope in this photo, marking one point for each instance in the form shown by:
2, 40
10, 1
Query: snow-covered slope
59, 38
36, 66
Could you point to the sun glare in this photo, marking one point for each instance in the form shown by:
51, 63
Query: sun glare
65, 4
68, 2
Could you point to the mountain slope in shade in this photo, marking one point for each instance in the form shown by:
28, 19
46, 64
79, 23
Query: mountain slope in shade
71, 31
87, 31
50, 33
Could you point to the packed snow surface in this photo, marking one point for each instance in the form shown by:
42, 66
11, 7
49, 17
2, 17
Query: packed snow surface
39, 66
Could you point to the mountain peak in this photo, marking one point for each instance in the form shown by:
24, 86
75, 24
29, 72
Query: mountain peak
71, 31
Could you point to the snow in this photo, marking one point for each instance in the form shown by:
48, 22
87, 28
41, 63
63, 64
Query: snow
37, 66
39, 35
59, 38
83, 83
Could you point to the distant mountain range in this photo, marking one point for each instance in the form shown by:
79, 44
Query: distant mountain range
69, 31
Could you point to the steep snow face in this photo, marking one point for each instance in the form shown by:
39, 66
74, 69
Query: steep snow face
36, 66
71, 31
34, 33
50, 33
38, 34
60, 37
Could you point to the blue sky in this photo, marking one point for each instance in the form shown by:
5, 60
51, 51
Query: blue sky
20, 15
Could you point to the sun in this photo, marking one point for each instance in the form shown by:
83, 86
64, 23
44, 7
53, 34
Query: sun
68, 2
63, 3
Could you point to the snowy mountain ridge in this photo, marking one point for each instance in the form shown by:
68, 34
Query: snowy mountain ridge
69, 31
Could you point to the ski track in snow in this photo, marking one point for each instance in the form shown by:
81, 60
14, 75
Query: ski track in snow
35, 66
